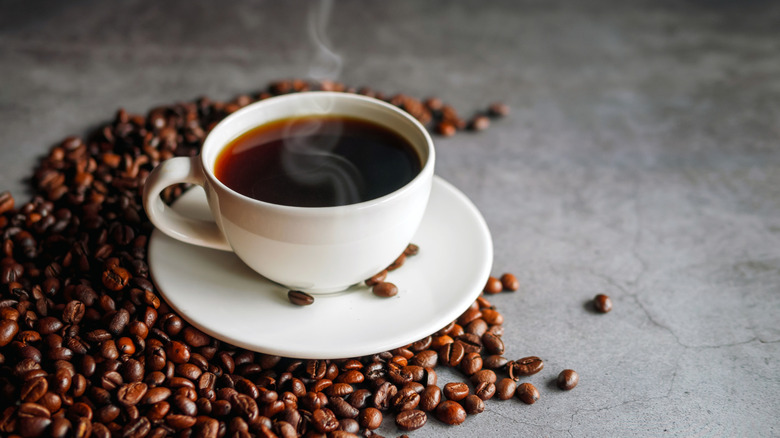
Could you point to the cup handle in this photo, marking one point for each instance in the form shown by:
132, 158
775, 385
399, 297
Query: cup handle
197, 232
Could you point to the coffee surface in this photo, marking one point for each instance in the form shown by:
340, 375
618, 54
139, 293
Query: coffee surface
317, 161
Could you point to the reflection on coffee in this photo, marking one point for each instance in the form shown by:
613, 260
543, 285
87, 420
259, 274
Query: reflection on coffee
317, 161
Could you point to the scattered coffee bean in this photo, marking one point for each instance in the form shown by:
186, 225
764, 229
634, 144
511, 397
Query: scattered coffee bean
509, 282
526, 366
450, 412
499, 109
493, 286
411, 419
505, 388
602, 303
479, 123
473, 405
300, 298
376, 279
527, 393
456, 391
568, 379
385, 289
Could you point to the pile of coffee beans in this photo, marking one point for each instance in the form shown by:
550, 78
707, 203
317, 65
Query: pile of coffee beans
88, 348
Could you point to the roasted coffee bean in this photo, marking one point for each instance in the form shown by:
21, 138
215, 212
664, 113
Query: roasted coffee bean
376, 279
359, 399
300, 298
510, 282
494, 361
492, 343
493, 318
341, 408
6, 202
385, 289
370, 418
425, 358
471, 363
526, 366
602, 303
348, 425
430, 398
483, 376
446, 129
473, 404
115, 278
131, 393
397, 263
456, 391
479, 123
8, 330
485, 390
452, 354
450, 412
384, 395
568, 379
505, 388
33, 389
411, 250
412, 419
493, 286
406, 398
499, 109
527, 393
471, 343
477, 327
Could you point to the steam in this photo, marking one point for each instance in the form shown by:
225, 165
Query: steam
308, 156
326, 65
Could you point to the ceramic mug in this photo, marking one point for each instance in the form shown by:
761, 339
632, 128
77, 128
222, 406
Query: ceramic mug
314, 249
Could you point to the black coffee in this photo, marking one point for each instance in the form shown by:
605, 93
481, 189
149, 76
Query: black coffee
317, 161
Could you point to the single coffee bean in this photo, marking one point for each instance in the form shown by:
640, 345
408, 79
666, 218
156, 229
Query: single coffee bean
509, 282
485, 390
341, 408
473, 404
450, 412
397, 263
446, 129
425, 358
493, 286
34, 389
385, 289
483, 376
527, 393
526, 366
602, 303
456, 391
376, 279
411, 419
370, 418
498, 109
505, 388
494, 361
131, 393
300, 298
405, 399
479, 123
471, 363
411, 249
477, 327
568, 379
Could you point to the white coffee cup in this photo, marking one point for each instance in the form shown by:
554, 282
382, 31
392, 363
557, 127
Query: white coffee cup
314, 249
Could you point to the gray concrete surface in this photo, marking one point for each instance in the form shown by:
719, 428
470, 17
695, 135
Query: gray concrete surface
641, 160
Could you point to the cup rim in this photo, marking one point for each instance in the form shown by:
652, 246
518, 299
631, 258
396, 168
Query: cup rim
425, 172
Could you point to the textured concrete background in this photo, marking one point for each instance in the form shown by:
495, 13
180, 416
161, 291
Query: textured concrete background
641, 160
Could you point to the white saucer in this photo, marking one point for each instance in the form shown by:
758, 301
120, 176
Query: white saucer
215, 292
